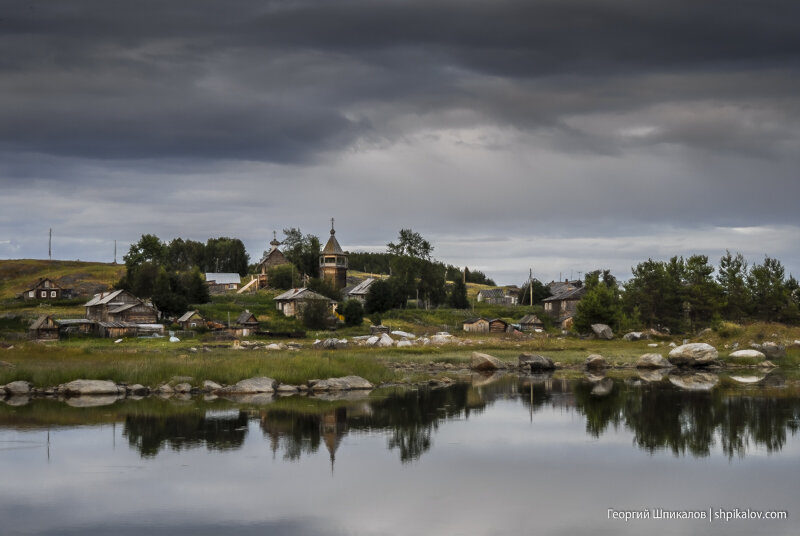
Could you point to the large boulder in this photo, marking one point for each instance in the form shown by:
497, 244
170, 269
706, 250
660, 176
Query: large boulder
484, 362
634, 336
18, 388
345, 383
372, 341
652, 361
183, 388
603, 331
385, 341
535, 362
595, 362
750, 354
405, 334
700, 381
404, 343
91, 387
442, 338
694, 354
773, 350
251, 386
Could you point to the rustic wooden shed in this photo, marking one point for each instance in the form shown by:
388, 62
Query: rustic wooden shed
476, 325
45, 328
192, 320
531, 322
497, 325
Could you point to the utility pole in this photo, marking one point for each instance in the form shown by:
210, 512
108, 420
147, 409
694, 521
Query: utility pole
115, 252
50, 246
530, 285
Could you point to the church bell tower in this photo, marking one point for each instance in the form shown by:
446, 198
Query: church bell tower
333, 262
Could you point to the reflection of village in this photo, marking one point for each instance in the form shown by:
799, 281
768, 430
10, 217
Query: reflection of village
660, 416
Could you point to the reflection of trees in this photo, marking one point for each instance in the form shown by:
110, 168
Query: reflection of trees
151, 433
412, 417
662, 417
600, 411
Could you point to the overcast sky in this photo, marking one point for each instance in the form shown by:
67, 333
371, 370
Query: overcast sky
561, 135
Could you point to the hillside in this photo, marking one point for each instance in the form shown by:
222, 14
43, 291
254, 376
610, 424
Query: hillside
86, 278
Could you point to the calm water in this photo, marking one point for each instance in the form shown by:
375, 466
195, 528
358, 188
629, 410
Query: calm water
512, 455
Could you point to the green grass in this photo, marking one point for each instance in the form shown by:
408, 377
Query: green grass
18, 275
51, 365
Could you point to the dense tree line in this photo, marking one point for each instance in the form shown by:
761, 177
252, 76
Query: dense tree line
683, 295
414, 275
171, 274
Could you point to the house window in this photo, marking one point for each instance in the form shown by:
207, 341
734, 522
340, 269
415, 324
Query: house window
52, 293
194, 324
44, 294
32, 294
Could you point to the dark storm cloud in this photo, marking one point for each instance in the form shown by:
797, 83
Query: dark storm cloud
291, 81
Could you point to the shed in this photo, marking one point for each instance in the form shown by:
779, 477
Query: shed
247, 319
192, 320
497, 325
71, 326
498, 296
476, 325
45, 328
530, 322
115, 330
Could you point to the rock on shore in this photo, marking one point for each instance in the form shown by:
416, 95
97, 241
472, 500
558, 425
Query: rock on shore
91, 387
693, 355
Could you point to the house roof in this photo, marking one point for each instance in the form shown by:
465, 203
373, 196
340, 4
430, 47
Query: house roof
573, 294
362, 288
498, 320
121, 308
493, 293
115, 324
245, 317
530, 319
300, 294
40, 322
276, 253
223, 278
74, 321
103, 298
474, 320
54, 285
186, 316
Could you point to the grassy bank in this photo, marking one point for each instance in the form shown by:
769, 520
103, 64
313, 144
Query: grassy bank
155, 361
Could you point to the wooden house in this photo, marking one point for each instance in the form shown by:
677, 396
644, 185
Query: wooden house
273, 258
333, 262
120, 306
191, 320
498, 296
360, 291
292, 302
220, 283
45, 328
476, 325
46, 289
562, 307
530, 322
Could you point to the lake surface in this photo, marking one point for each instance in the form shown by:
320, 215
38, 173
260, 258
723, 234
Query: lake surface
492, 456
